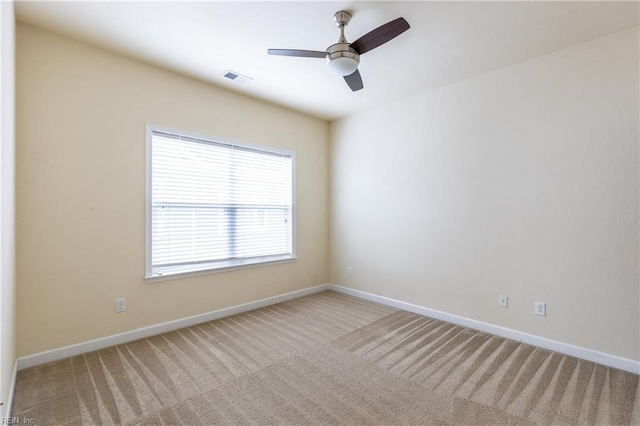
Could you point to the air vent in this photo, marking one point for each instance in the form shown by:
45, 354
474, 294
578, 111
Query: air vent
236, 77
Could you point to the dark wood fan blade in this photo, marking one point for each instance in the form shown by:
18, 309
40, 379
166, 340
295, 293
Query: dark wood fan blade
354, 81
299, 53
380, 35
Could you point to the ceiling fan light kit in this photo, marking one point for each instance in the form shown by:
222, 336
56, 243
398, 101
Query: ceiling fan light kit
344, 57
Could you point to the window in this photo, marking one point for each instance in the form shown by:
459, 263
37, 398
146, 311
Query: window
214, 205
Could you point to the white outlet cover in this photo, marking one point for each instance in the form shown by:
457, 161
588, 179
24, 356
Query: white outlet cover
541, 309
121, 305
503, 301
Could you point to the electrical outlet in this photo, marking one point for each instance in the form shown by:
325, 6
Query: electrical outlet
503, 301
349, 270
121, 305
541, 309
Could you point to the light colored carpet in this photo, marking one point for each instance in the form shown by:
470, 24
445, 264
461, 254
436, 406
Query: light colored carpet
326, 359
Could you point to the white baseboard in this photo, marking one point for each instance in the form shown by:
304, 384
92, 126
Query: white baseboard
105, 342
564, 348
140, 333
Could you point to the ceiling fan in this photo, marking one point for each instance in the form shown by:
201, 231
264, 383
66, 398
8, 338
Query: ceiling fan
344, 57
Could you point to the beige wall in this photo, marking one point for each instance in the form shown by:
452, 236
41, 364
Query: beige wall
81, 189
7, 204
522, 182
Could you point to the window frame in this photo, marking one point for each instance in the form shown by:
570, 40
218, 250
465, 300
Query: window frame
231, 265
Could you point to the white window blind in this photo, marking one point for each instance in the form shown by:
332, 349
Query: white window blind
217, 205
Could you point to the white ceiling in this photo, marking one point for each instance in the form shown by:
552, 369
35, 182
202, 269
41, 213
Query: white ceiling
447, 42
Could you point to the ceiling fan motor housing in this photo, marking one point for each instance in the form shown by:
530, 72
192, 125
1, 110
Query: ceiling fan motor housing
342, 58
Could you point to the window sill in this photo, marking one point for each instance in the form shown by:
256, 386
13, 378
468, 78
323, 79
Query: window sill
179, 272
